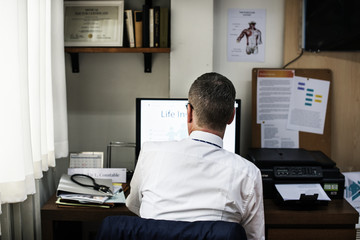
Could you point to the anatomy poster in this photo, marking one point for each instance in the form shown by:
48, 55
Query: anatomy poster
246, 35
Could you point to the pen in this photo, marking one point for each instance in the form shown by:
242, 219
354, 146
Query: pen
126, 188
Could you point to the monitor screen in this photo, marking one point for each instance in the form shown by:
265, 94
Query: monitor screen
165, 119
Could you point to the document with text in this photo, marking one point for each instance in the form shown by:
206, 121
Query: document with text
308, 105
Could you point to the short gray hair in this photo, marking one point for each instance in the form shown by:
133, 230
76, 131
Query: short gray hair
212, 97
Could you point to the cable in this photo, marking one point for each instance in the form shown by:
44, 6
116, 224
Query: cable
302, 51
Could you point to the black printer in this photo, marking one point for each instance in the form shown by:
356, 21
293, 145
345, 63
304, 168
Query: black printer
288, 165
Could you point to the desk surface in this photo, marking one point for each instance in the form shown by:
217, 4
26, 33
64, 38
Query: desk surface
324, 222
51, 211
338, 211
332, 222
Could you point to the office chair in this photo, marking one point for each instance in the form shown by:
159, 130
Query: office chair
136, 228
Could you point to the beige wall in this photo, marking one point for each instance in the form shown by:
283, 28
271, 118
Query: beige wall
345, 109
191, 43
199, 44
241, 72
101, 98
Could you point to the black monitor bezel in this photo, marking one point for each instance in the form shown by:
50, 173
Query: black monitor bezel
138, 121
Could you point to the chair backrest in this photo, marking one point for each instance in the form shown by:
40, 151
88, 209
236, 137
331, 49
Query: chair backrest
136, 228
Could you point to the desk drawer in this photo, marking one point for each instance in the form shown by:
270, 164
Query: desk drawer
310, 234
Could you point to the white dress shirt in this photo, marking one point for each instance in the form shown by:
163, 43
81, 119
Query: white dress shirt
196, 179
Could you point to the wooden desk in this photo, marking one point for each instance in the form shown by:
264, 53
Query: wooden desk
50, 213
335, 221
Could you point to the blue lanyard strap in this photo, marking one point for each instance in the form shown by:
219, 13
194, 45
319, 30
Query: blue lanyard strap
199, 140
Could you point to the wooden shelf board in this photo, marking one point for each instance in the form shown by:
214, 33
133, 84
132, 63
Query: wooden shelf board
115, 50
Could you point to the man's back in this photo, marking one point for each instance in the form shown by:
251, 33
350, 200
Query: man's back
195, 179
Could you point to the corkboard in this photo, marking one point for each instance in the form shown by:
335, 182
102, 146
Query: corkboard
308, 141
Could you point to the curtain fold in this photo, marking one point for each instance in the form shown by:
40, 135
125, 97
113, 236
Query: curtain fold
32, 92
15, 174
33, 122
58, 80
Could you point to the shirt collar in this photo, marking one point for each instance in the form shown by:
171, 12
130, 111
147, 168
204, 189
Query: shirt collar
207, 137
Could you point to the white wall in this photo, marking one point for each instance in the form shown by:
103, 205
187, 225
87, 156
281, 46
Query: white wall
101, 98
191, 43
199, 47
240, 72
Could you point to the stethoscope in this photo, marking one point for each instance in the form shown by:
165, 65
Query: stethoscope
97, 187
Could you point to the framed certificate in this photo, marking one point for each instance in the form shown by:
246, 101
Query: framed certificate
93, 23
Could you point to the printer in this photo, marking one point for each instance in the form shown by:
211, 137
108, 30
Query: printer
288, 165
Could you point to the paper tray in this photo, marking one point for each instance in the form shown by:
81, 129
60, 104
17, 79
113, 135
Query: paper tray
304, 203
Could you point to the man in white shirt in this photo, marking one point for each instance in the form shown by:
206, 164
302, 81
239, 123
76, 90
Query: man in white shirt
196, 179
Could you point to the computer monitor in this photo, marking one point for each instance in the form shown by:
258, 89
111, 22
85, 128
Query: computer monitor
164, 119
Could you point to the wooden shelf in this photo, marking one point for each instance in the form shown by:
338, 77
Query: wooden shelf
74, 53
115, 50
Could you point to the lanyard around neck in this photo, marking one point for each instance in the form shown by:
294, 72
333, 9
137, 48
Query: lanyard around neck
199, 140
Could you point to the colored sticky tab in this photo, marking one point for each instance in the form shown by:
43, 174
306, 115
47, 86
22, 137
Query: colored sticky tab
318, 100
310, 90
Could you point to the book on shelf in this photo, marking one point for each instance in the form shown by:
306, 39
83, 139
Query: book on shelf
151, 27
164, 27
130, 27
126, 43
156, 26
146, 32
138, 19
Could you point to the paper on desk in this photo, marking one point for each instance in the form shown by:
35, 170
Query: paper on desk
67, 186
82, 198
118, 197
294, 191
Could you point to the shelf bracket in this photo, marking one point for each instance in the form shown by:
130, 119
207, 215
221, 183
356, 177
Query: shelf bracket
75, 62
147, 62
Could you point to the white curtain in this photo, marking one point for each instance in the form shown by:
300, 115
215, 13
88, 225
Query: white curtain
32, 94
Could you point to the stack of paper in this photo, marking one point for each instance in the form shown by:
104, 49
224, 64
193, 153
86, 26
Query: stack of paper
70, 193
294, 191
